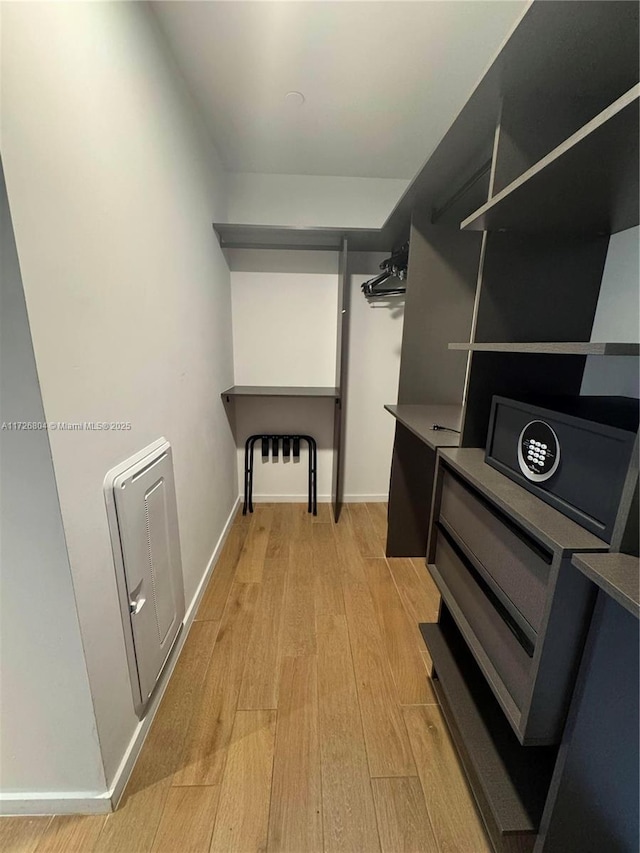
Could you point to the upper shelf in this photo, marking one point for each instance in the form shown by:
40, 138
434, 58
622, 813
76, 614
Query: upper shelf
553, 348
617, 574
420, 419
588, 183
281, 391
281, 237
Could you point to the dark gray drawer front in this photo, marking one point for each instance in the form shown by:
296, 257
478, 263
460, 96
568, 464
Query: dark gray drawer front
507, 655
518, 570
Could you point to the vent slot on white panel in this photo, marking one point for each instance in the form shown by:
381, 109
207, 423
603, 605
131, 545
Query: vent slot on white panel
141, 506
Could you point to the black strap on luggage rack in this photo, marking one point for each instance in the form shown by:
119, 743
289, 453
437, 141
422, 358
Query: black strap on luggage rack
273, 441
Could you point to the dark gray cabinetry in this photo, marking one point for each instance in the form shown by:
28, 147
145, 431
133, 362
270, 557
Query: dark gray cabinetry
502, 562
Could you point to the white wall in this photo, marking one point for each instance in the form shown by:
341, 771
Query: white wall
311, 200
374, 367
284, 328
113, 187
284, 331
48, 741
617, 319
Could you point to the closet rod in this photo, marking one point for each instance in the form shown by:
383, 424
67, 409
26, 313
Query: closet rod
438, 212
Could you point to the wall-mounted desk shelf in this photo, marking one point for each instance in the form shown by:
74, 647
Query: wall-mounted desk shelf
412, 471
552, 347
585, 184
419, 419
616, 574
280, 391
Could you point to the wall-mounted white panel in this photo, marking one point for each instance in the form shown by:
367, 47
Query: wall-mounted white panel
141, 504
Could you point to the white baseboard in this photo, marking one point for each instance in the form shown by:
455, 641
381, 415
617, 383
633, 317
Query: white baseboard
322, 499
137, 741
87, 802
43, 803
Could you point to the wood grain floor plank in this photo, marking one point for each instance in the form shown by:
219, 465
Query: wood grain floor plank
243, 810
388, 747
403, 821
295, 822
161, 753
378, 516
420, 565
259, 688
364, 531
324, 515
351, 560
215, 597
251, 561
454, 819
71, 834
348, 812
209, 732
132, 827
418, 593
21, 834
327, 572
404, 656
140, 811
298, 621
187, 820
279, 541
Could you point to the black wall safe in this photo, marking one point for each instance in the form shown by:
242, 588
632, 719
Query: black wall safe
575, 453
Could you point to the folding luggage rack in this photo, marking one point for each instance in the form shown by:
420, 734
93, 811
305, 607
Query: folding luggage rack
290, 444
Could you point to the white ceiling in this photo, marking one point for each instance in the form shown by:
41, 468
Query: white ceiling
382, 80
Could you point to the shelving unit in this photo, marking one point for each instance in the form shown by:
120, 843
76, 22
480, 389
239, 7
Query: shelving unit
552, 347
507, 262
585, 184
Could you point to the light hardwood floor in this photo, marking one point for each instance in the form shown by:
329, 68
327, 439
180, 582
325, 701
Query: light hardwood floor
300, 716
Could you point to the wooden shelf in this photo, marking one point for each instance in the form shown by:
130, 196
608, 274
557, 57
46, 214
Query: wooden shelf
553, 347
236, 236
616, 574
509, 781
550, 527
588, 183
419, 419
280, 391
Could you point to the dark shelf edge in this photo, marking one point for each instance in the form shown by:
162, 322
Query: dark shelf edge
483, 763
433, 438
487, 480
552, 347
297, 391
472, 222
244, 236
512, 713
615, 574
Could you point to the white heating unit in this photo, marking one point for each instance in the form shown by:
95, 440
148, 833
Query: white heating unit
143, 521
